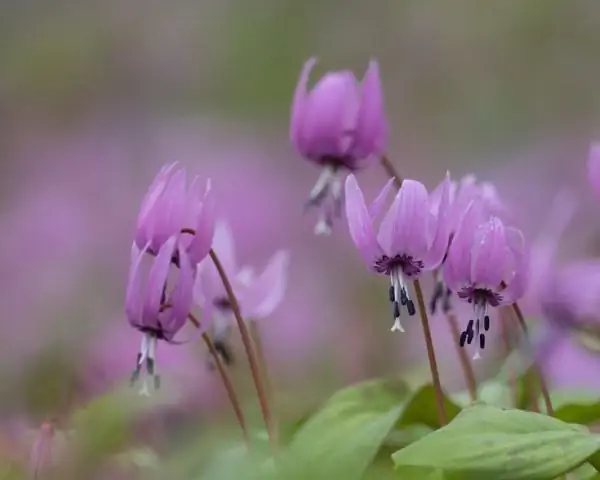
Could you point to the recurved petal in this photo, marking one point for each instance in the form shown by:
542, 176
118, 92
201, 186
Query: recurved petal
489, 254
224, 246
518, 279
330, 115
298, 107
266, 293
201, 242
371, 128
360, 222
439, 226
171, 210
156, 281
403, 230
594, 167
133, 294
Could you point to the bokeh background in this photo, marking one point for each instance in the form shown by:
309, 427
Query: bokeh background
96, 96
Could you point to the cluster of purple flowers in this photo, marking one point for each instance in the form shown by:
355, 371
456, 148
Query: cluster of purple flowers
459, 231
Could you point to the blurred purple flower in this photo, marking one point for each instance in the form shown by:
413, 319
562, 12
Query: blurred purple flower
487, 266
168, 207
594, 167
258, 295
150, 309
41, 459
412, 237
337, 125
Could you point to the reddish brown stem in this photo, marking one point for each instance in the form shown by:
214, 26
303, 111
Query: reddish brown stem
505, 330
237, 408
536, 367
389, 168
465, 363
435, 376
250, 353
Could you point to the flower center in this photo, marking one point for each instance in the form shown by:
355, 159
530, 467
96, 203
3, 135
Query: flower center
405, 263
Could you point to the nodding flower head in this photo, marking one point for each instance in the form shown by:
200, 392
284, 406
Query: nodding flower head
412, 237
153, 308
258, 294
170, 206
487, 265
339, 124
462, 193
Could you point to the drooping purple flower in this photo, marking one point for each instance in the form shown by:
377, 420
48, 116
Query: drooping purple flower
487, 265
594, 167
412, 237
258, 294
170, 206
154, 309
462, 193
339, 124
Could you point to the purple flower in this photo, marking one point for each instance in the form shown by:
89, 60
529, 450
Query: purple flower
412, 237
594, 167
169, 206
338, 125
462, 193
150, 307
486, 266
258, 294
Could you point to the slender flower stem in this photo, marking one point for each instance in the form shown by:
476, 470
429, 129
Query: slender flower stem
435, 376
465, 363
226, 381
505, 330
537, 369
389, 168
250, 353
260, 353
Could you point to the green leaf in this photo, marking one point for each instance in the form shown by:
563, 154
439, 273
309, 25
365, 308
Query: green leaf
493, 392
342, 439
583, 408
493, 443
422, 409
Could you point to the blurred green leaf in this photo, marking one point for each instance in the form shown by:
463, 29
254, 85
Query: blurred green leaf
493, 443
421, 409
528, 389
576, 407
342, 439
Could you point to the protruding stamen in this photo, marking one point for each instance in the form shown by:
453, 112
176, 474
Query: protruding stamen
403, 296
324, 225
391, 295
486, 323
397, 326
410, 306
336, 194
463, 338
447, 301
438, 293
321, 188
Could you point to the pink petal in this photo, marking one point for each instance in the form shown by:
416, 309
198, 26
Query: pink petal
298, 107
594, 167
224, 247
181, 298
133, 295
403, 230
377, 206
489, 254
205, 227
267, 292
457, 267
171, 210
157, 279
371, 133
517, 285
440, 223
330, 114
360, 222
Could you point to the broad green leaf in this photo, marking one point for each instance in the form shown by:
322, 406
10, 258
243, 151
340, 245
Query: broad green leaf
493, 443
422, 409
342, 439
571, 407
